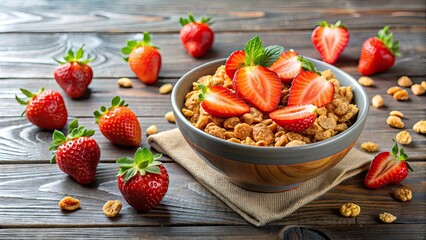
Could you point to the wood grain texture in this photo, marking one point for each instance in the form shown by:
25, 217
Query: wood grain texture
29, 195
31, 55
240, 15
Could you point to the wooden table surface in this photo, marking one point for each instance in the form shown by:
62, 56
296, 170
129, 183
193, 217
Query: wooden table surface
33, 32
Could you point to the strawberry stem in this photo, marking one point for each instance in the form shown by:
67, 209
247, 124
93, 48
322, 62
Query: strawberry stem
387, 39
77, 57
402, 155
115, 102
203, 93
29, 95
132, 44
191, 19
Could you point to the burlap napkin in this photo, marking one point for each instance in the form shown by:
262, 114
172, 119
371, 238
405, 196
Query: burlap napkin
257, 208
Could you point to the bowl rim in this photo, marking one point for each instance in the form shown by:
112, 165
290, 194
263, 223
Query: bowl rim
362, 114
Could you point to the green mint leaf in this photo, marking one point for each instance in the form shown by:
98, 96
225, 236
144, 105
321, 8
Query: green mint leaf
253, 50
270, 55
308, 65
153, 169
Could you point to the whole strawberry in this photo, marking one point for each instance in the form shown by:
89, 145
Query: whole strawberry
144, 59
74, 75
77, 154
387, 168
119, 123
197, 37
378, 53
45, 109
143, 181
330, 40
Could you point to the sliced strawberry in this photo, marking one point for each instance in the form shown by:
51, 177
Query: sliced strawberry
387, 168
287, 66
234, 62
258, 86
295, 118
310, 88
330, 40
219, 101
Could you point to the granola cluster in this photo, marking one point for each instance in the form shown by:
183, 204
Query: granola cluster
257, 129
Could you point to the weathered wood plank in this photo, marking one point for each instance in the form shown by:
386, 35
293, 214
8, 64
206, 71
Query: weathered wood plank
241, 15
31, 192
30, 55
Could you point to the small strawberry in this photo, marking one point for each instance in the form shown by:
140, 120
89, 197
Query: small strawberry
289, 65
234, 62
45, 109
295, 118
219, 101
77, 154
378, 53
330, 40
196, 36
310, 88
143, 181
144, 59
253, 82
119, 123
74, 75
387, 168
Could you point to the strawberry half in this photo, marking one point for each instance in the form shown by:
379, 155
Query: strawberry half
253, 82
387, 168
310, 88
295, 118
330, 40
219, 101
289, 65
234, 62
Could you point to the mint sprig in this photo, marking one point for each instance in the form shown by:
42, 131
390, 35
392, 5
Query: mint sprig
257, 55
308, 65
144, 161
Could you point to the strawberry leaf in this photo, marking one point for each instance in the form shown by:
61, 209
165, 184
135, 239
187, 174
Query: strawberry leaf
125, 160
132, 43
129, 174
122, 170
157, 156
142, 162
394, 149
20, 101
308, 65
143, 155
387, 38
126, 50
153, 169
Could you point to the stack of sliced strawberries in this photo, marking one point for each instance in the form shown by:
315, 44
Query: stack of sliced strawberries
258, 75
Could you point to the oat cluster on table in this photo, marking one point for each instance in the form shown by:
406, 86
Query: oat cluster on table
69, 204
387, 217
403, 194
111, 208
350, 210
257, 129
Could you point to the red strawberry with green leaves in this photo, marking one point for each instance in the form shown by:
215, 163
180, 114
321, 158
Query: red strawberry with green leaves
378, 53
119, 123
196, 36
45, 109
219, 101
330, 40
295, 118
310, 88
74, 75
253, 81
388, 168
289, 65
143, 180
77, 154
144, 59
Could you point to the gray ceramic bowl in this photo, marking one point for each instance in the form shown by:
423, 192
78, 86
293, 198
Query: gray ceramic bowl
268, 169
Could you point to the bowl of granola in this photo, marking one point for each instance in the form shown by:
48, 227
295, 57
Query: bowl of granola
251, 148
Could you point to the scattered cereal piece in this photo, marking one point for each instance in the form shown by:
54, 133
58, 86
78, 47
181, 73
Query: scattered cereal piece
170, 117
396, 114
112, 208
420, 127
366, 81
401, 95
295, 143
403, 137
370, 147
350, 210
386, 217
124, 83
423, 83
393, 90
151, 130
417, 89
166, 88
377, 101
69, 204
395, 122
405, 81
403, 194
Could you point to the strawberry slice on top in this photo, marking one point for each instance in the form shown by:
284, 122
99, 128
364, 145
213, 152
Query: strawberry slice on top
330, 40
388, 168
219, 101
253, 81
289, 65
234, 62
310, 88
295, 118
